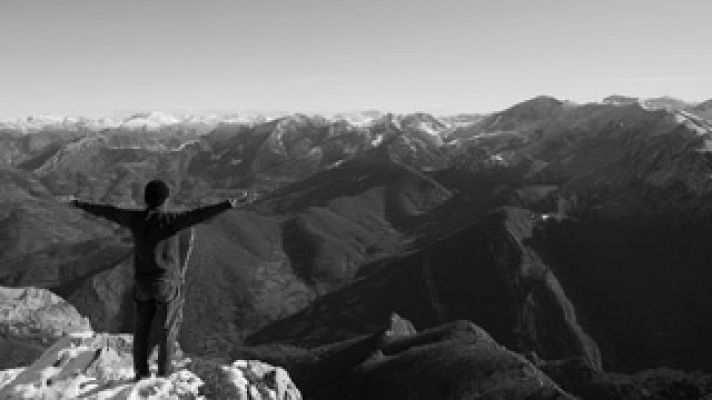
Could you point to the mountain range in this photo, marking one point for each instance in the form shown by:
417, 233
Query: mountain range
573, 234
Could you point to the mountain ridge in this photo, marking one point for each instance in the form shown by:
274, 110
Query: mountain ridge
551, 225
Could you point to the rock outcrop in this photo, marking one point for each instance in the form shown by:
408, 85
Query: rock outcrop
453, 361
91, 365
32, 319
244, 379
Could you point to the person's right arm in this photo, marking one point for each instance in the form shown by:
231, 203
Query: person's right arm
115, 214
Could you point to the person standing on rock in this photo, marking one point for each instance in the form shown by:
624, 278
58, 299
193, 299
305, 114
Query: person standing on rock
157, 269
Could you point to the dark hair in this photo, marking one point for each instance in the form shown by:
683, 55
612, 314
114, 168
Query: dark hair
155, 193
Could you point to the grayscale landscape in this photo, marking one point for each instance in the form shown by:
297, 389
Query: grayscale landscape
537, 247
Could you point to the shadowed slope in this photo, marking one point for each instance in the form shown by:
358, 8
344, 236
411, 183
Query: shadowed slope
482, 273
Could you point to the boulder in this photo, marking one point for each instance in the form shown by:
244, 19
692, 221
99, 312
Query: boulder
31, 312
399, 327
31, 320
245, 379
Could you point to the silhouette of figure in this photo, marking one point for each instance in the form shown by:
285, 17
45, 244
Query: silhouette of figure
157, 266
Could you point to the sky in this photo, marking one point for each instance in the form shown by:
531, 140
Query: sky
103, 57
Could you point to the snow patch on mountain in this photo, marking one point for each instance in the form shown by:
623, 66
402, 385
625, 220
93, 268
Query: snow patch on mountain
358, 119
698, 125
693, 122
36, 123
377, 140
653, 103
460, 120
184, 145
150, 120
428, 128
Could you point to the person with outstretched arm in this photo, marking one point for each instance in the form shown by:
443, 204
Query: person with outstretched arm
156, 265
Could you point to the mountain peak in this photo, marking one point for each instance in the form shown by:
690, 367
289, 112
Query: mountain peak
620, 100
539, 104
526, 113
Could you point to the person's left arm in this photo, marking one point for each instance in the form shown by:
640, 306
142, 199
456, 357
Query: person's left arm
186, 219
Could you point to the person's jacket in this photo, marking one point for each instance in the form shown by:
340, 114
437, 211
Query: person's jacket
156, 246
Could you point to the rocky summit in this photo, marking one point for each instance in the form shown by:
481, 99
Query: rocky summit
547, 250
99, 366
93, 365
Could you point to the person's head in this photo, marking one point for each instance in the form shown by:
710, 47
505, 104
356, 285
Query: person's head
155, 193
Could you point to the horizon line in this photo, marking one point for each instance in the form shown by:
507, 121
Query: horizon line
123, 113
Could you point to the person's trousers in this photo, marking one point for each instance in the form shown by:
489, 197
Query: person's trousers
163, 317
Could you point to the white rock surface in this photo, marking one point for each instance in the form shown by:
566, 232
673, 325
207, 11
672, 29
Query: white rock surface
32, 312
98, 366
245, 380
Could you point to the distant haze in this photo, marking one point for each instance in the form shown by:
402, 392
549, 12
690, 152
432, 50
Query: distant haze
98, 57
